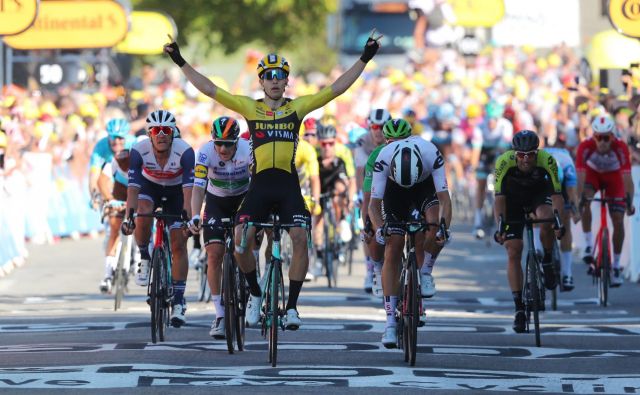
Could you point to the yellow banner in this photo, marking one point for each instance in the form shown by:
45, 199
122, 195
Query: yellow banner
17, 15
74, 25
625, 16
477, 13
148, 33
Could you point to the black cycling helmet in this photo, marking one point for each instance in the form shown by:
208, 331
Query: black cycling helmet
525, 140
326, 132
225, 129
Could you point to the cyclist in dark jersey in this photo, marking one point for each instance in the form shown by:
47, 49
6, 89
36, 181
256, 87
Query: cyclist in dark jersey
274, 124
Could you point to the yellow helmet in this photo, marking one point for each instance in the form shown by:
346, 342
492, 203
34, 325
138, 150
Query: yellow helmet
272, 61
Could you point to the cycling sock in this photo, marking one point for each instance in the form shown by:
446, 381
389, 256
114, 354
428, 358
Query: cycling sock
144, 251
517, 300
369, 264
390, 303
429, 261
294, 291
376, 265
110, 264
178, 291
616, 261
252, 280
565, 260
587, 240
477, 218
217, 303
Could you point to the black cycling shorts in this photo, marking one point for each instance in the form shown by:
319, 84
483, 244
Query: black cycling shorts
515, 211
276, 191
175, 199
402, 204
216, 208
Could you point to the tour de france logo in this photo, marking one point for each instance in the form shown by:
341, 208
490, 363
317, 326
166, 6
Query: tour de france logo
624, 16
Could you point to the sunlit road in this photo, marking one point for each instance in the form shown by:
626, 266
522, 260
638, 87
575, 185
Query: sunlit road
58, 332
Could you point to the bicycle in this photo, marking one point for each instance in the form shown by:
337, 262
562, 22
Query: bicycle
235, 292
533, 294
124, 251
331, 242
410, 298
355, 223
160, 290
204, 292
273, 294
600, 270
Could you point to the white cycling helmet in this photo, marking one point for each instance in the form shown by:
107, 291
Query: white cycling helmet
161, 118
378, 116
603, 124
406, 164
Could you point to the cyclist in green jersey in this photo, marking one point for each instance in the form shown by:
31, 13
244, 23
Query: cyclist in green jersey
274, 124
526, 178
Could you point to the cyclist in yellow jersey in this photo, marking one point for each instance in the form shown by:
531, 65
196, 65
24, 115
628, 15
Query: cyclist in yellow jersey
308, 174
274, 124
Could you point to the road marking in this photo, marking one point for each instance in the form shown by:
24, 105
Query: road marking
148, 375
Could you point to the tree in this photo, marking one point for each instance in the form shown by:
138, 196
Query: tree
229, 24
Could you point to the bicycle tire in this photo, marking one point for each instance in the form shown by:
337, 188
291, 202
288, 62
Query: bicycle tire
119, 278
273, 312
241, 306
164, 292
327, 256
154, 294
555, 256
605, 268
533, 283
403, 326
414, 310
202, 279
229, 298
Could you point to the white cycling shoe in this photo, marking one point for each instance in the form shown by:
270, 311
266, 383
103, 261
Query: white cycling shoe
292, 321
253, 310
390, 337
427, 285
142, 273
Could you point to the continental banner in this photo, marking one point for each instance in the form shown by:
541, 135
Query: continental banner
625, 16
17, 15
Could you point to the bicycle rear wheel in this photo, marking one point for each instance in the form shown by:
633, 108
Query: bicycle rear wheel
413, 299
119, 277
202, 279
403, 324
274, 314
229, 297
533, 284
604, 266
241, 305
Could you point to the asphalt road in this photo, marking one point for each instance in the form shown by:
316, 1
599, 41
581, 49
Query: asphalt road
58, 334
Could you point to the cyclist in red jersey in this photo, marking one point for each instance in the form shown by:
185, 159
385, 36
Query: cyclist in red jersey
603, 163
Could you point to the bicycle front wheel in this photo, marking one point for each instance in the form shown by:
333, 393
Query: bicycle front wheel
202, 279
274, 314
242, 294
229, 297
413, 299
604, 266
555, 255
533, 285
155, 294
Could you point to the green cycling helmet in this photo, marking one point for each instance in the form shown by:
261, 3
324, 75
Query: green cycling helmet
396, 128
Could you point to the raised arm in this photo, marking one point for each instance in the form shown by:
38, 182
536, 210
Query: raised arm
202, 83
350, 76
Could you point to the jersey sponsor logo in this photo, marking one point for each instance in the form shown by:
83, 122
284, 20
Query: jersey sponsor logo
379, 166
202, 157
200, 171
221, 164
275, 126
269, 113
259, 135
439, 162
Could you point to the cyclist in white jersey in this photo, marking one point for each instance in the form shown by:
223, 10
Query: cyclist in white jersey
223, 169
408, 174
488, 142
161, 167
364, 147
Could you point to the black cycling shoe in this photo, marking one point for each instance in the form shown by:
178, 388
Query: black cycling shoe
549, 275
520, 322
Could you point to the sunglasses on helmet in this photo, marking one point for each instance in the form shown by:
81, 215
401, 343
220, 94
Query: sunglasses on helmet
523, 154
225, 143
158, 130
277, 74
